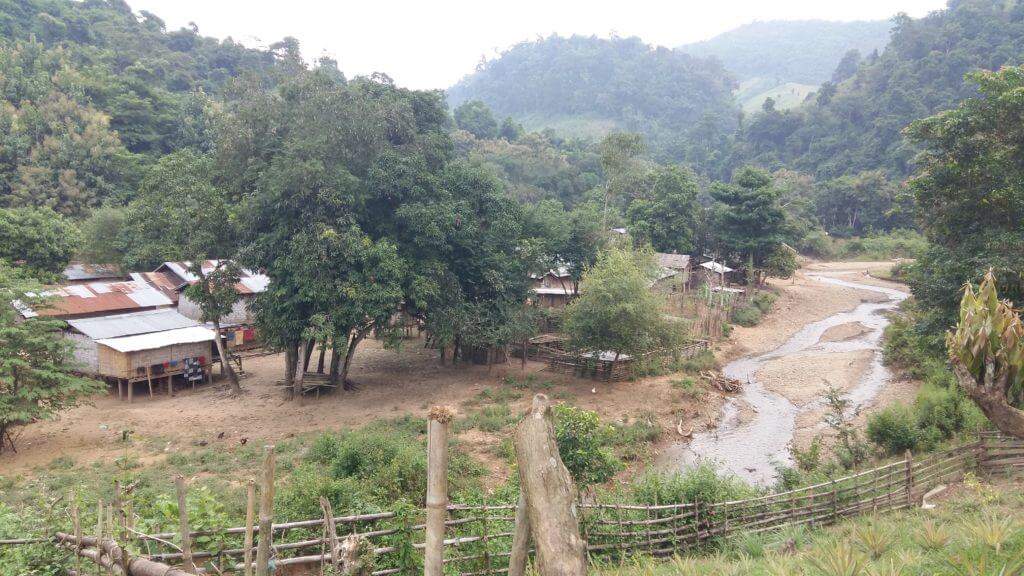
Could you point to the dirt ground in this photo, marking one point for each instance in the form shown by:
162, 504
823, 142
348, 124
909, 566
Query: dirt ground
411, 380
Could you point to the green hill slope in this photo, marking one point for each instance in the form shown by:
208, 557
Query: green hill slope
801, 51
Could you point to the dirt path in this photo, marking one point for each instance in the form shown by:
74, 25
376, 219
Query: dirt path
824, 331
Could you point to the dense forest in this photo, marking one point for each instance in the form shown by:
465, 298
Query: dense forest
803, 51
620, 84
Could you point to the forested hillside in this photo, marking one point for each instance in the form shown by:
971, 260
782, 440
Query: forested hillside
802, 51
92, 94
856, 125
618, 83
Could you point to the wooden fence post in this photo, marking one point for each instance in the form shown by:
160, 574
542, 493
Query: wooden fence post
550, 495
99, 533
520, 539
835, 502
330, 533
437, 489
909, 461
250, 518
266, 511
186, 538
78, 534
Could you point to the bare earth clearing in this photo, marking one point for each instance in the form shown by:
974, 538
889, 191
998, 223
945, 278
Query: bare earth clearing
392, 384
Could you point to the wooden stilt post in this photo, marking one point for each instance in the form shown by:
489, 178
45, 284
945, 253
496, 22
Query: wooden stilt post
186, 538
266, 511
437, 489
250, 517
149, 380
520, 540
170, 387
550, 494
131, 390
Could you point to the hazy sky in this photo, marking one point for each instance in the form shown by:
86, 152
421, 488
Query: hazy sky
432, 44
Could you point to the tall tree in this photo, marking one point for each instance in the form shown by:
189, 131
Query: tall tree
36, 362
38, 239
178, 214
476, 118
216, 293
666, 217
750, 221
616, 310
969, 195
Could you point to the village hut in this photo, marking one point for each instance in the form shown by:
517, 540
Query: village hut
554, 288
147, 346
238, 327
673, 272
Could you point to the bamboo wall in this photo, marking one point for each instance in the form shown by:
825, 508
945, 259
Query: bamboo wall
116, 364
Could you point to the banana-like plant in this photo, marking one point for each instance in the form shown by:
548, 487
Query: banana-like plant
987, 353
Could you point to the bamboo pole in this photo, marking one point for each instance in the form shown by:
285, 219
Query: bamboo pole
186, 540
266, 511
78, 534
909, 459
437, 489
99, 530
250, 517
520, 540
550, 494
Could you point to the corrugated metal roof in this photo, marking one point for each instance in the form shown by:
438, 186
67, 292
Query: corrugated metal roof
159, 339
716, 267
80, 272
102, 297
676, 261
131, 324
567, 291
249, 282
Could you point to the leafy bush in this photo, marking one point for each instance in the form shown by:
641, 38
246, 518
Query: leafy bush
894, 428
747, 316
699, 362
818, 244
35, 559
702, 483
764, 300
581, 439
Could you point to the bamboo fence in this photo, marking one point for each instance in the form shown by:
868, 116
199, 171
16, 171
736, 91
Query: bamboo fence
477, 538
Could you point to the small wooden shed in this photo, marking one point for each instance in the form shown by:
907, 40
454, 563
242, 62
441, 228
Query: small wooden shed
157, 355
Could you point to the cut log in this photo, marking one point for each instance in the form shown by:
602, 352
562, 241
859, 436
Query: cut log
550, 495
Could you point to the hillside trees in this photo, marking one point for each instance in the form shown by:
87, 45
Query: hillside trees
666, 217
476, 118
968, 195
37, 239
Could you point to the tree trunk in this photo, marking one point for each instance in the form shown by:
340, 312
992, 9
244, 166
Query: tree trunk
225, 362
300, 371
289, 364
991, 398
356, 339
550, 495
320, 362
335, 365
310, 345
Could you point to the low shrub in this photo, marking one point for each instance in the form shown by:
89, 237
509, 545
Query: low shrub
764, 300
702, 483
747, 316
582, 443
698, 363
894, 428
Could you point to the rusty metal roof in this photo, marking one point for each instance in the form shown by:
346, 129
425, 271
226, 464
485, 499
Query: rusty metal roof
674, 261
97, 298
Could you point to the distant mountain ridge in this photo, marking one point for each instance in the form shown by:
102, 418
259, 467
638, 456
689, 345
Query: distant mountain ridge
798, 51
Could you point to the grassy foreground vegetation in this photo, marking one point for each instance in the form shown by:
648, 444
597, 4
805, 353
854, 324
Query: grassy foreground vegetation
975, 532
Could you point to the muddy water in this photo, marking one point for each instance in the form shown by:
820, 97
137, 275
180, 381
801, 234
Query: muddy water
753, 449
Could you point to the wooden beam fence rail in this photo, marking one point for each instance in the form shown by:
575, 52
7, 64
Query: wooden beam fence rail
477, 538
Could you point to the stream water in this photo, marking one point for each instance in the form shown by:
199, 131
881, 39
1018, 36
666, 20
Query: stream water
753, 449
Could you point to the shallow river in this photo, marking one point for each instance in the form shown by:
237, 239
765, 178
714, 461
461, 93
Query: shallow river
753, 449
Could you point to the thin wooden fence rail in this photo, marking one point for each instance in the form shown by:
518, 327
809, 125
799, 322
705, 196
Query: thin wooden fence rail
478, 538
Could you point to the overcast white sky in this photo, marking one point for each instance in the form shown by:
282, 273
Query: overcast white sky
433, 43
